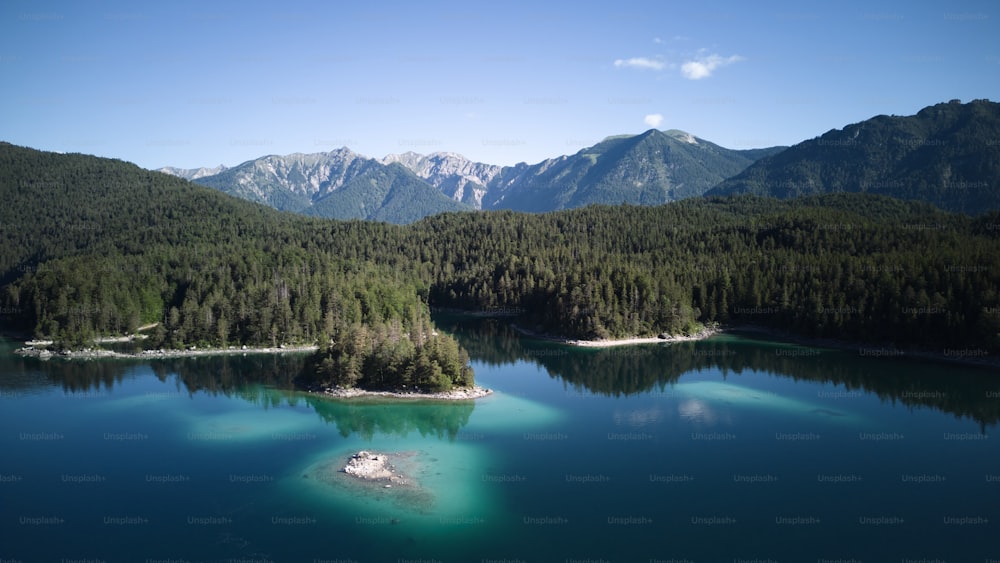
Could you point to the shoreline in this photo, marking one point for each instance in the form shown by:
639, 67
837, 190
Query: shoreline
876, 351
703, 334
460, 394
97, 354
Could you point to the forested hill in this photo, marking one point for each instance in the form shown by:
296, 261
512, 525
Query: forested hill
846, 266
58, 205
94, 246
947, 154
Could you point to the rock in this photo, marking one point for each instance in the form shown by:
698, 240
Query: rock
369, 466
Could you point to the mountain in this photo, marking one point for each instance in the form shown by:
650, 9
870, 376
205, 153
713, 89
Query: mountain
290, 182
652, 168
454, 175
390, 193
312, 184
947, 154
192, 173
648, 169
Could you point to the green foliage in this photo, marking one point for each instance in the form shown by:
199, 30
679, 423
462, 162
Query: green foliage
206, 269
393, 356
836, 266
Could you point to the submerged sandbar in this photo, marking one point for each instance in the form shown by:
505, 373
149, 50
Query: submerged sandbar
378, 476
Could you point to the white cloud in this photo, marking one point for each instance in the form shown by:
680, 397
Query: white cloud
695, 68
653, 119
641, 62
657, 40
702, 67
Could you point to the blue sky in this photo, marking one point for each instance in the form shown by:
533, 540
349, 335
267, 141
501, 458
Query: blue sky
220, 82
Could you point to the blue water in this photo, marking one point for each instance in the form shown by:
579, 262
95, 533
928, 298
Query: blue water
725, 450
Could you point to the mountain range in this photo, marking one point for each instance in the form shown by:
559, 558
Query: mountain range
947, 154
193, 173
652, 168
454, 175
339, 184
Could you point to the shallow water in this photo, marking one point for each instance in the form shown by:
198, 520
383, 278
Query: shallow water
727, 449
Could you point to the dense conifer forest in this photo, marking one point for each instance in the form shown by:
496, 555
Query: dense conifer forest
94, 247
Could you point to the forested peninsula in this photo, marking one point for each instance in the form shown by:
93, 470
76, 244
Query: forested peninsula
95, 247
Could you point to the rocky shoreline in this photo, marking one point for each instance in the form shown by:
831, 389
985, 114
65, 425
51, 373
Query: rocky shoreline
95, 354
978, 358
38, 350
460, 394
665, 338
661, 339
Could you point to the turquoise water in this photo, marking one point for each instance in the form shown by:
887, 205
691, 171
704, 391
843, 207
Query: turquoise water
723, 450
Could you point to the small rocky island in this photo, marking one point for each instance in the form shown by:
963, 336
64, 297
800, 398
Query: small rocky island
373, 467
378, 476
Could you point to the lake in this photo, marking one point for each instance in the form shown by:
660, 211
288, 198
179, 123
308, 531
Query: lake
727, 449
